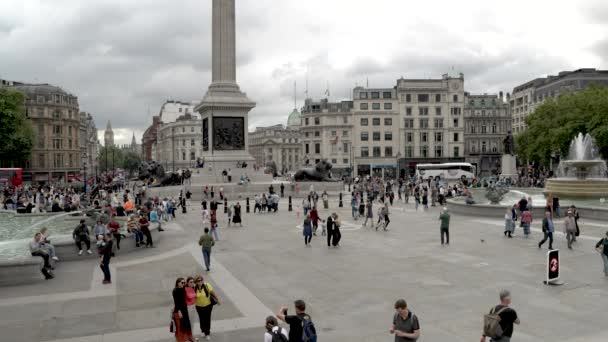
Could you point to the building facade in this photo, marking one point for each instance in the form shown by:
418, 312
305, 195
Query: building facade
179, 143
133, 147
148, 140
327, 133
276, 143
375, 117
431, 121
487, 121
528, 96
56, 120
172, 109
88, 144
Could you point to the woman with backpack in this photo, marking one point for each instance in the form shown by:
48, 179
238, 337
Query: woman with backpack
274, 333
206, 298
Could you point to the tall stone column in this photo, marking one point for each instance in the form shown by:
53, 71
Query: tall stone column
223, 42
224, 108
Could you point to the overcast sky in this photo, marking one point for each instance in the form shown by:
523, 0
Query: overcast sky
124, 58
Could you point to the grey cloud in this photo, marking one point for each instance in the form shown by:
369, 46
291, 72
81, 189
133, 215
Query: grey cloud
600, 48
596, 11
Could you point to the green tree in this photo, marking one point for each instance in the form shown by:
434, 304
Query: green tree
16, 133
110, 158
131, 161
554, 123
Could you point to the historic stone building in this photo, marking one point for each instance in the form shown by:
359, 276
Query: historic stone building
327, 133
56, 120
487, 122
276, 143
88, 144
431, 121
375, 122
528, 96
179, 143
133, 147
172, 109
148, 140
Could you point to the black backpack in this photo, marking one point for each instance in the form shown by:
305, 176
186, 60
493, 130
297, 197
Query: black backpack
277, 336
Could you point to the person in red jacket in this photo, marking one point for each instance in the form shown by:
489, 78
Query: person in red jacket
144, 226
314, 218
114, 228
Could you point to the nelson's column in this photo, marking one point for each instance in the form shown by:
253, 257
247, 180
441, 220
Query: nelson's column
224, 108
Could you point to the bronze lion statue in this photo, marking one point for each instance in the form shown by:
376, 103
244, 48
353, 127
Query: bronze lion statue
320, 173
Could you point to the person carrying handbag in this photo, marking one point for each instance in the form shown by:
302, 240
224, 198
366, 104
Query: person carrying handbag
206, 298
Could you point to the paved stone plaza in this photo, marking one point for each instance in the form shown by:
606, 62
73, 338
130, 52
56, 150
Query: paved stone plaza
349, 290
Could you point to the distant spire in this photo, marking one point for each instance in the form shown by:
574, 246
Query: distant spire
133, 142
109, 126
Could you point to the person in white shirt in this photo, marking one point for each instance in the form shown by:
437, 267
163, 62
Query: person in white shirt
272, 328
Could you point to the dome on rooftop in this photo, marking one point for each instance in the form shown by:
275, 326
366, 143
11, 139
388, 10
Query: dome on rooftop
40, 89
294, 119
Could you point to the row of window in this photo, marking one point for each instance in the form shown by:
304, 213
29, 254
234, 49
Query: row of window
56, 114
58, 99
483, 129
482, 112
484, 148
424, 123
317, 120
375, 106
334, 148
375, 95
425, 111
425, 98
409, 151
388, 136
58, 161
318, 134
424, 137
376, 121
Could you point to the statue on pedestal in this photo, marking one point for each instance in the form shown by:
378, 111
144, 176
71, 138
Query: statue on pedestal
509, 144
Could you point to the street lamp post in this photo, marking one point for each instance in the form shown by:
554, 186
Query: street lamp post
84, 164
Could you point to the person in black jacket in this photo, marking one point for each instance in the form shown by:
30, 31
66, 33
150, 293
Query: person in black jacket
80, 235
602, 247
330, 229
104, 263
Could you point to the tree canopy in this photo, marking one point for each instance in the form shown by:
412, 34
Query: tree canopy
114, 157
553, 125
16, 133
124, 159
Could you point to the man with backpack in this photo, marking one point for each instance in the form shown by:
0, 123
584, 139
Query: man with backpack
498, 323
274, 333
301, 327
405, 324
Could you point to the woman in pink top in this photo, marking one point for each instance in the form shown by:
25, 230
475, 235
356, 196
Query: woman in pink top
190, 298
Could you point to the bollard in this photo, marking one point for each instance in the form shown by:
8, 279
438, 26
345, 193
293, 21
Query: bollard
290, 208
225, 205
349, 187
247, 206
340, 203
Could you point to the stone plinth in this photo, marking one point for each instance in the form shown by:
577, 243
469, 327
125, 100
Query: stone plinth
508, 166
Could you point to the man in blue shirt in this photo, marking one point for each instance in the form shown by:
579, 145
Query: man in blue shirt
548, 229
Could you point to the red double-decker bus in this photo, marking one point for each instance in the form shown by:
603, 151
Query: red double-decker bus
12, 176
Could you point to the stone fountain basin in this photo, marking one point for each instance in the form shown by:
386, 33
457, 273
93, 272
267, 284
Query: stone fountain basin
582, 163
577, 188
